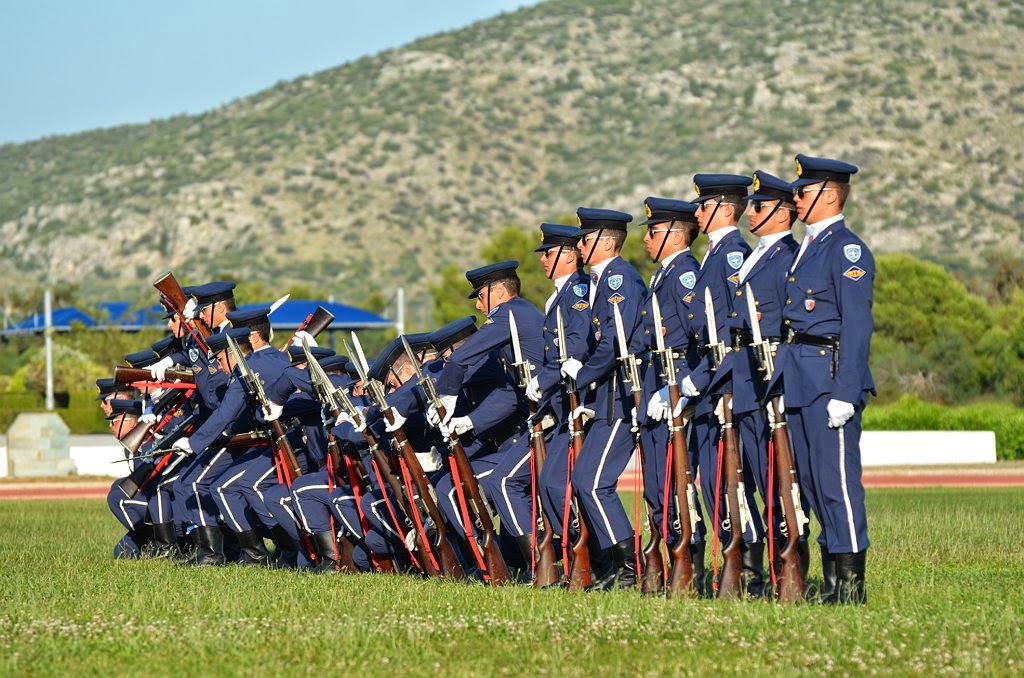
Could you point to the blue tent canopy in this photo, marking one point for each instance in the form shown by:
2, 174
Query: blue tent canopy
120, 315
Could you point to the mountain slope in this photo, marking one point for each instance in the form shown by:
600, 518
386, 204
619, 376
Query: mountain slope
373, 174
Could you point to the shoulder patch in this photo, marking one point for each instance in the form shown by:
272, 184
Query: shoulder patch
615, 281
616, 298
581, 289
193, 354
581, 305
852, 253
854, 273
688, 280
735, 259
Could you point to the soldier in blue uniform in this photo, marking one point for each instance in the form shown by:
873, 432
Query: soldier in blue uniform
131, 512
720, 203
671, 229
771, 214
610, 441
499, 419
511, 487
823, 370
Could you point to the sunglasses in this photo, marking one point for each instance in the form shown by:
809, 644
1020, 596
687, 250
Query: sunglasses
652, 230
801, 191
758, 205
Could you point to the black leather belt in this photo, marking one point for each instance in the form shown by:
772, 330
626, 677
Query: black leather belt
743, 338
824, 342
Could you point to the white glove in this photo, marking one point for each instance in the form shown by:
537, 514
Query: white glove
430, 461
158, 369
776, 416
571, 367
460, 425
720, 411
687, 388
272, 412
361, 426
533, 390
189, 312
410, 540
680, 406
548, 422
397, 423
839, 412
657, 406
346, 418
634, 425
183, 446
583, 411
448, 402
147, 418
297, 339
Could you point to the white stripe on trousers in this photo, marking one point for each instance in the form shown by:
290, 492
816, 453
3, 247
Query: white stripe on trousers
224, 501
298, 503
597, 479
846, 493
504, 492
195, 487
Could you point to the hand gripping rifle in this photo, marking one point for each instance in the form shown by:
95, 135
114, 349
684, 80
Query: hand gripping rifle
680, 580
654, 563
405, 498
730, 585
496, 570
252, 382
315, 323
790, 584
545, 571
579, 572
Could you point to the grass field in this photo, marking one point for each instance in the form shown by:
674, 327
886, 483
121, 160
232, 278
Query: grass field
945, 596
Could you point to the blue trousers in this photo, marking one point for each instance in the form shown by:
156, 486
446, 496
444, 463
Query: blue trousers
655, 437
553, 477
829, 466
238, 492
595, 477
193, 501
707, 432
509, 486
129, 511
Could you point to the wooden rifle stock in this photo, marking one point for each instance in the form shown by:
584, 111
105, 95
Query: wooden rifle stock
284, 449
315, 323
680, 579
450, 565
130, 375
247, 439
133, 440
730, 585
579, 572
654, 563
547, 571
791, 580
168, 286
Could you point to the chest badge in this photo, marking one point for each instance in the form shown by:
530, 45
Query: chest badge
808, 305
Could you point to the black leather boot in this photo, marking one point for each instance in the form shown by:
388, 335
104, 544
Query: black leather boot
623, 557
525, 544
850, 578
827, 595
188, 549
699, 578
210, 548
164, 543
752, 574
287, 553
326, 546
253, 550
803, 550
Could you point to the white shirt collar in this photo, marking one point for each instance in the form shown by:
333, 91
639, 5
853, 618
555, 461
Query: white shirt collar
598, 269
769, 240
560, 282
715, 237
668, 260
815, 229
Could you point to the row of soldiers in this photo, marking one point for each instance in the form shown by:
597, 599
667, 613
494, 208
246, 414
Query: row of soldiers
495, 452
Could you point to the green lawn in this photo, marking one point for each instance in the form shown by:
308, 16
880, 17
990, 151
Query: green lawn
945, 588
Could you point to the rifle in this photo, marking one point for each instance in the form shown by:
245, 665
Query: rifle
579, 572
142, 474
282, 446
729, 585
315, 323
790, 584
680, 579
543, 560
171, 291
131, 375
494, 564
654, 563
408, 502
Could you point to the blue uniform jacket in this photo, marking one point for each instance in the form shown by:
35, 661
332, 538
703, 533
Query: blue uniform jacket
574, 300
211, 383
620, 285
236, 411
829, 294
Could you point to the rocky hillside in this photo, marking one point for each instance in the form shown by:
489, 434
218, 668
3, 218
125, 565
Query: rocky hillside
373, 174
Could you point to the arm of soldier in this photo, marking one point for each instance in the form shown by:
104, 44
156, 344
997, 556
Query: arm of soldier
576, 319
499, 403
494, 333
231, 408
854, 283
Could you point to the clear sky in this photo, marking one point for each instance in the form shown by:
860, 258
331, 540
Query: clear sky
72, 65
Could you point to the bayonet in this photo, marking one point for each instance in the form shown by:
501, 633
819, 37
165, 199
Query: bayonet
716, 347
762, 348
522, 365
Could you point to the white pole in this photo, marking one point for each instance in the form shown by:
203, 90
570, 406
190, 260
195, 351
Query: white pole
48, 333
400, 313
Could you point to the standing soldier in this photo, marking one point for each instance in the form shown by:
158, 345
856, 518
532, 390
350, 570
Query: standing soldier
610, 440
823, 369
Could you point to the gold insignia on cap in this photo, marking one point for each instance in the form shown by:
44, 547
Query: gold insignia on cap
799, 168
757, 183
696, 187
579, 222
648, 208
